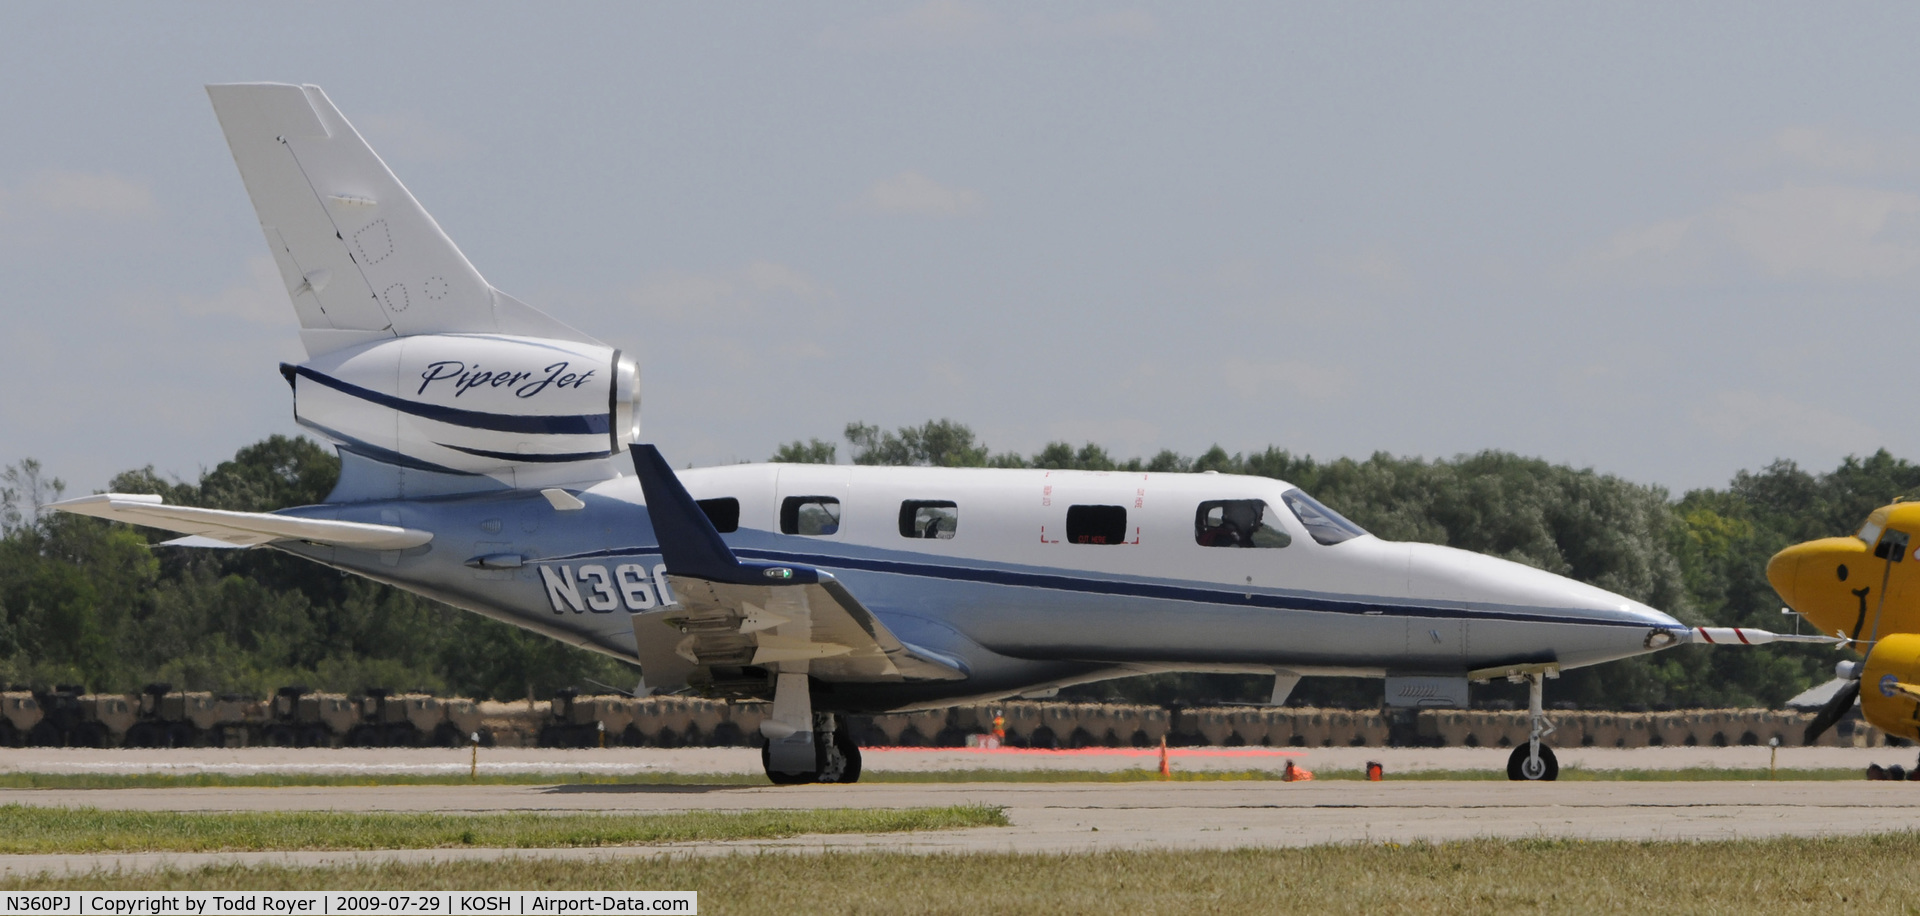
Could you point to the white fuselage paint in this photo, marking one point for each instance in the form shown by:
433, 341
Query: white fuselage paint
1009, 592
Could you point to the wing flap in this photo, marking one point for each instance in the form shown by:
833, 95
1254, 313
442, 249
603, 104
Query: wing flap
736, 614
242, 529
819, 622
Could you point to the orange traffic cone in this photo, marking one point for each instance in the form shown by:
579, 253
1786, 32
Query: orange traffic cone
1166, 772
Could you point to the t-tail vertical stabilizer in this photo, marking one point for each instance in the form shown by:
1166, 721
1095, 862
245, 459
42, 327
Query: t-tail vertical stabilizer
427, 378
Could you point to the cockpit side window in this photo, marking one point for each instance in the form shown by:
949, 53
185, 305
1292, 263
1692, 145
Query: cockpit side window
1238, 523
1892, 546
1869, 532
1325, 525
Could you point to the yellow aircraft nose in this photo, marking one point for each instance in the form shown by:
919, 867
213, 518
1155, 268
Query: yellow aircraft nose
1821, 580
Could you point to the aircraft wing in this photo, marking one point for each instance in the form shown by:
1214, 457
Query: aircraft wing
240, 529
737, 613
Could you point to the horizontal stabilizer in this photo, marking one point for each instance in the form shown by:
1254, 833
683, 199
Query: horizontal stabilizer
241, 529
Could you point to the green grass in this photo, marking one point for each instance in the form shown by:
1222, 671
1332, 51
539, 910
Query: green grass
1870, 874
31, 829
275, 780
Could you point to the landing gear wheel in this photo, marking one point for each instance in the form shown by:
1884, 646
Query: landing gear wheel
850, 751
784, 779
1522, 767
1533, 761
836, 756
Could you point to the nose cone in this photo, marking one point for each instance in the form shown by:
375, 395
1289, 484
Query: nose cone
1489, 582
1822, 581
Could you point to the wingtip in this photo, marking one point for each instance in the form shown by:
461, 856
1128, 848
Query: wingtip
150, 499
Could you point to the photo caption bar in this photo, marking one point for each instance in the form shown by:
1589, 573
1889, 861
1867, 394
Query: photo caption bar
359, 903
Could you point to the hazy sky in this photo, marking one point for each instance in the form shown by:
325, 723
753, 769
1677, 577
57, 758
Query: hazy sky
1666, 241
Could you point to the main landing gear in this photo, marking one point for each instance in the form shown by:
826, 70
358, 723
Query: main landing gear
1533, 761
802, 745
836, 758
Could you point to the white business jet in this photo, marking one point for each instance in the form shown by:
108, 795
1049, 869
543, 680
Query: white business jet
490, 460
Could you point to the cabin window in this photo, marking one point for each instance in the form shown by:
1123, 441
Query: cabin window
1238, 523
1869, 532
1096, 524
1325, 525
724, 513
1892, 546
810, 515
929, 518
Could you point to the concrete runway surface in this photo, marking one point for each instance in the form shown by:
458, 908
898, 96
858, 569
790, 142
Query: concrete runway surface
1060, 818
617, 761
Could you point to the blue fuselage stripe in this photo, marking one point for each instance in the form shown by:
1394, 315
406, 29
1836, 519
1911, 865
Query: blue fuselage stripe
1127, 589
556, 424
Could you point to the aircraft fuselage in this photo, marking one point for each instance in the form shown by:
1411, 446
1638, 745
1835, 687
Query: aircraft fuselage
1005, 585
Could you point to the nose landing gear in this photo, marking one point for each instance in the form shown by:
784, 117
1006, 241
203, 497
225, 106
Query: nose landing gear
1534, 760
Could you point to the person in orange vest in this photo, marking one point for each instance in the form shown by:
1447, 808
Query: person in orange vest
999, 729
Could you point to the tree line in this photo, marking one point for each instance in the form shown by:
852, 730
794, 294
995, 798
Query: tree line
90, 602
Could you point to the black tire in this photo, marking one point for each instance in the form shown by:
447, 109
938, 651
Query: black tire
849, 748
182, 734
279, 736
1518, 760
145, 734
785, 779
314, 735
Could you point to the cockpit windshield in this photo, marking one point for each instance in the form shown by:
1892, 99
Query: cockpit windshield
1325, 525
1869, 532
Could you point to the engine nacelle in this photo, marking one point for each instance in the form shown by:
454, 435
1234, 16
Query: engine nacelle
1894, 660
471, 403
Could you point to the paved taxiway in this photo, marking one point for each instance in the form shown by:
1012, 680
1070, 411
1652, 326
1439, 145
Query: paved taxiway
1056, 818
614, 762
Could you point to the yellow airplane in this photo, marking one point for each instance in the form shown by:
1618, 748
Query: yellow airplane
1865, 589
